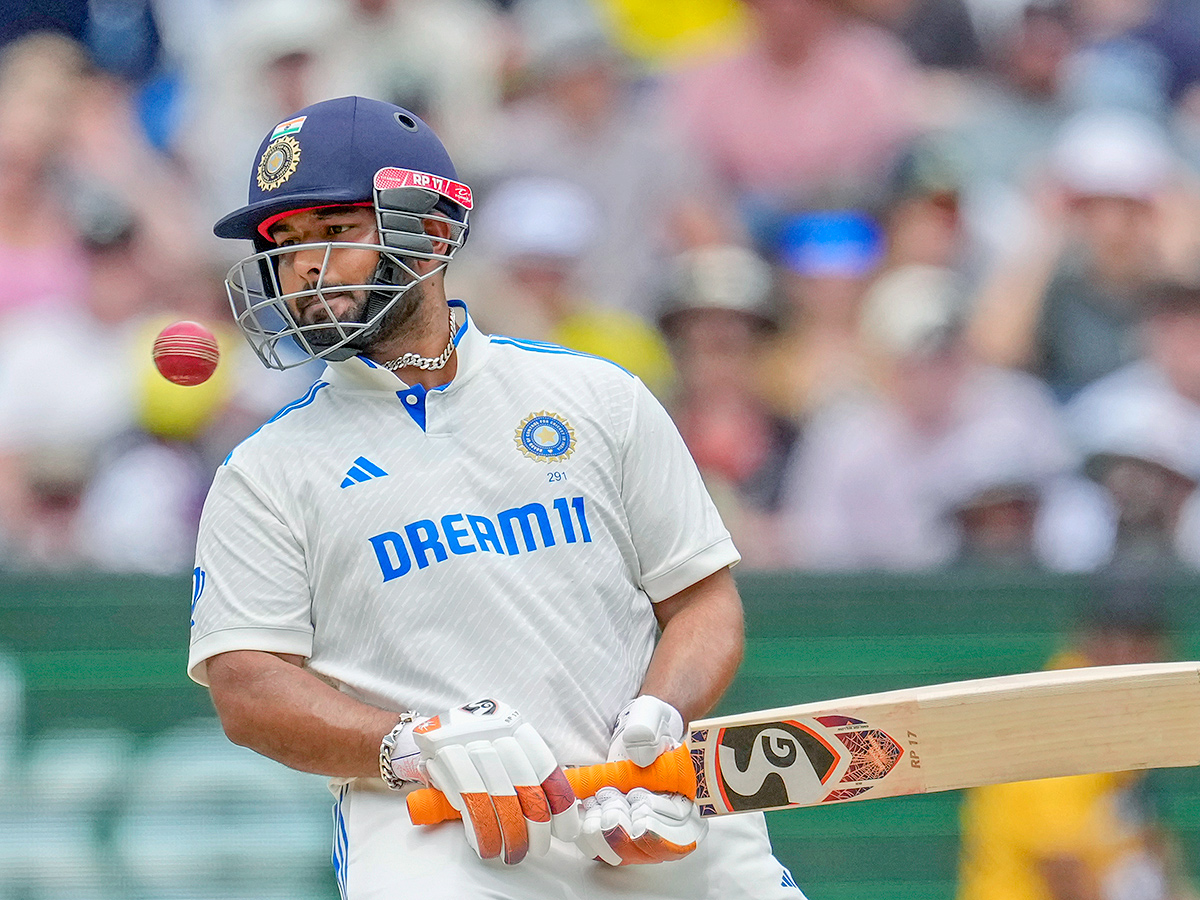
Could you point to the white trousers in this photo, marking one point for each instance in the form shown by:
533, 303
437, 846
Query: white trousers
379, 855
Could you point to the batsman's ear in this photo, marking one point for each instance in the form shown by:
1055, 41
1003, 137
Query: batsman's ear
441, 232
402, 212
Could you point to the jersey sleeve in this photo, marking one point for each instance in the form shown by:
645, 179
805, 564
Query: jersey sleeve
250, 588
674, 525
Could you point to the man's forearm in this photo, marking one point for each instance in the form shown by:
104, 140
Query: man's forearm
282, 711
701, 646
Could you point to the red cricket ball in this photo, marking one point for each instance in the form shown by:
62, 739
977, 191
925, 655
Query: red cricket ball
186, 353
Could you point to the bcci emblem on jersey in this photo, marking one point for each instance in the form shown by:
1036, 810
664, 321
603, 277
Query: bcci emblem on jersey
546, 436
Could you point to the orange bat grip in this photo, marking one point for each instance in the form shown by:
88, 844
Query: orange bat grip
671, 773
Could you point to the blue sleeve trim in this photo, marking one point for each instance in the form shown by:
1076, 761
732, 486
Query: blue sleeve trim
291, 407
544, 347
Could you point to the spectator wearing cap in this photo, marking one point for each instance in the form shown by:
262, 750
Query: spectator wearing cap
529, 232
719, 310
881, 481
534, 233
1139, 429
1066, 306
826, 260
924, 212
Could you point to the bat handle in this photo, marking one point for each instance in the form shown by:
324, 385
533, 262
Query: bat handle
671, 773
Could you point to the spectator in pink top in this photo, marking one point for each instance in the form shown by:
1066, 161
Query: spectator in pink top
40, 253
818, 101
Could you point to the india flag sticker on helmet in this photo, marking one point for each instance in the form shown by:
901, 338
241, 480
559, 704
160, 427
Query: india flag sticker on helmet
291, 126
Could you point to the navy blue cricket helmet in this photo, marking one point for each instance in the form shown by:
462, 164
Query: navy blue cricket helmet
348, 151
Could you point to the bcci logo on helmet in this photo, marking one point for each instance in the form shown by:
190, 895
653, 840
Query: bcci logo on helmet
278, 162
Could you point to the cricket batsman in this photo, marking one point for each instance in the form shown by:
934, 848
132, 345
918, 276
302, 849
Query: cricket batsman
459, 560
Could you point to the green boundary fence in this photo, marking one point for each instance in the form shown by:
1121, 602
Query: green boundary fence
113, 651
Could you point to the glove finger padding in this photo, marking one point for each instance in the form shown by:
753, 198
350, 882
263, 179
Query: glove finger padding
603, 814
498, 772
530, 798
640, 827
501, 795
452, 770
669, 824
552, 784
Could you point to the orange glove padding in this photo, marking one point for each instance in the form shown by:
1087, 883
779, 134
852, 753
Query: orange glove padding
499, 774
639, 827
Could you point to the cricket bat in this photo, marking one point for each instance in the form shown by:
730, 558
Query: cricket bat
915, 741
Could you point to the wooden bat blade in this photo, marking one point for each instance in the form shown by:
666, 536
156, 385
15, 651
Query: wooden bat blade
919, 740
948, 736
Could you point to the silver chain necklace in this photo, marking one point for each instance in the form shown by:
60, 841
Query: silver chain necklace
424, 362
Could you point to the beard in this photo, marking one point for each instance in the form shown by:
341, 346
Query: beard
393, 323
401, 318
325, 334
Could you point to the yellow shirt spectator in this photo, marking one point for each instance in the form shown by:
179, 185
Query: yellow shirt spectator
1086, 837
665, 31
621, 337
1015, 834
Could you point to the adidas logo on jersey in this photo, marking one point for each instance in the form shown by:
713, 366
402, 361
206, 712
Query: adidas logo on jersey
362, 470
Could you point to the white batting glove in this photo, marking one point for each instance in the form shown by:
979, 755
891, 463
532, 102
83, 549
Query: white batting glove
497, 771
646, 728
641, 827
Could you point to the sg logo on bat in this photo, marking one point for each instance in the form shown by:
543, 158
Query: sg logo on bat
793, 762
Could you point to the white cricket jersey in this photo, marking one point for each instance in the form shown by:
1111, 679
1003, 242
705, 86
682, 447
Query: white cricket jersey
501, 536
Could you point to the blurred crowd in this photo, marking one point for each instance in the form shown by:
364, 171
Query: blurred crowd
919, 280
